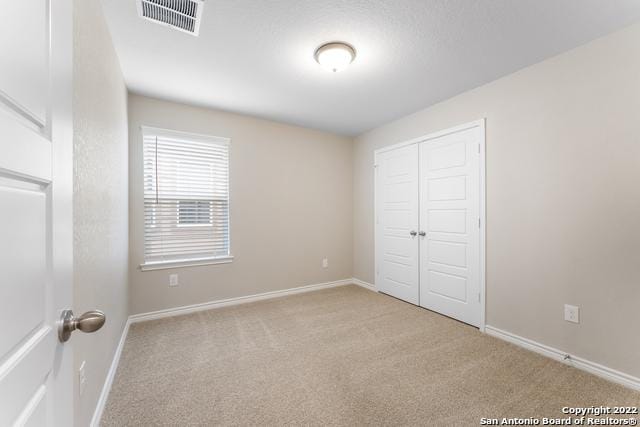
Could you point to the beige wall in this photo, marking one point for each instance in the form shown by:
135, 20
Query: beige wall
291, 206
100, 201
563, 197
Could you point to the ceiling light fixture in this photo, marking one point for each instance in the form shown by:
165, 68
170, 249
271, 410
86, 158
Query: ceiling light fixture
335, 56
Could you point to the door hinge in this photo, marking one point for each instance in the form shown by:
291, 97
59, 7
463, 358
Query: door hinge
478, 296
478, 222
478, 148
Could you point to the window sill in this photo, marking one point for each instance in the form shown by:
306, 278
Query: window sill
161, 265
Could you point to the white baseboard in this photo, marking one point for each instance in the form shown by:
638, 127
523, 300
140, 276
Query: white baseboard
364, 284
177, 311
106, 388
561, 356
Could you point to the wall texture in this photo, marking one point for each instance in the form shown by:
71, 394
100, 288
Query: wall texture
563, 205
100, 202
291, 206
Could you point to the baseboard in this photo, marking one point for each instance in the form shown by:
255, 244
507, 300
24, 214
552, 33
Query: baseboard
106, 388
177, 311
561, 356
364, 284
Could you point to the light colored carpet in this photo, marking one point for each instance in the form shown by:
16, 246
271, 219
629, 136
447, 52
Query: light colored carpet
341, 356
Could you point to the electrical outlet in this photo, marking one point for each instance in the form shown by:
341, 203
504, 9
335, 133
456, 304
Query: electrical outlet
82, 377
571, 313
173, 280
325, 263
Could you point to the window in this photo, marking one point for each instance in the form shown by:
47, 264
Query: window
186, 199
194, 212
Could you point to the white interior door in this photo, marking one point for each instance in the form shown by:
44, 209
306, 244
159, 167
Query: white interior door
35, 211
397, 223
450, 225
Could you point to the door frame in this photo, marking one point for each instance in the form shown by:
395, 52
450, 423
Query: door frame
482, 196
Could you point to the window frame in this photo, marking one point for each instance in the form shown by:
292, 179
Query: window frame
196, 137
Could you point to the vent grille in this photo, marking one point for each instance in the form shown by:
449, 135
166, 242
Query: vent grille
183, 15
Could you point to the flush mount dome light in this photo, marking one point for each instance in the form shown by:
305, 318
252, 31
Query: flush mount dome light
335, 56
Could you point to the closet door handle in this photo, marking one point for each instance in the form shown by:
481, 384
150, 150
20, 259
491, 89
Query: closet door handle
422, 233
413, 233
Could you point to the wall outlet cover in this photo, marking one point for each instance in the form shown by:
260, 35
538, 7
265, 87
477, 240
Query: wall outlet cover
173, 280
571, 313
325, 263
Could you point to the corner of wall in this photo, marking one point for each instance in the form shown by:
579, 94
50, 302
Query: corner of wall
101, 266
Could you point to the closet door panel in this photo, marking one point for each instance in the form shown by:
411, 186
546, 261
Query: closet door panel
397, 271
449, 214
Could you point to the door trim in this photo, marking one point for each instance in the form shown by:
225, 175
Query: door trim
482, 195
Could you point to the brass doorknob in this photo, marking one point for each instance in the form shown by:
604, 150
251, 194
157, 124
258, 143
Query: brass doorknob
87, 322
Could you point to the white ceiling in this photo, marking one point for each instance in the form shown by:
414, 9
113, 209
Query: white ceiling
256, 56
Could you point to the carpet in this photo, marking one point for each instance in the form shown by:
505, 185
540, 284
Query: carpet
340, 356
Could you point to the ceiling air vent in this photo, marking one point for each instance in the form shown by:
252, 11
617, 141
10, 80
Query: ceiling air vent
183, 15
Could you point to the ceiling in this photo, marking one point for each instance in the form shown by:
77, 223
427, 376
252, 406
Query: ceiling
256, 56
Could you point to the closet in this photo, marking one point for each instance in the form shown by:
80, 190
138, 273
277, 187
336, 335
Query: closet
429, 222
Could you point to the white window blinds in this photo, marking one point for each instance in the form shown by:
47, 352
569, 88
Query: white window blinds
186, 196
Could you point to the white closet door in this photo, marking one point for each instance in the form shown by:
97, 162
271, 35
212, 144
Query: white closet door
449, 218
397, 268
